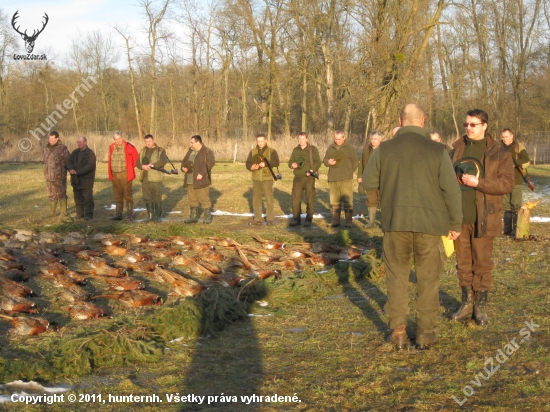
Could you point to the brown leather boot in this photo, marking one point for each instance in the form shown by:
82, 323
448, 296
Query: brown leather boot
118, 212
399, 337
424, 340
480, 310
335, 217
466, 310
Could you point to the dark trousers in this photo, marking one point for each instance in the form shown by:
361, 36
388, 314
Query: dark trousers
299, 186
473, 258
264, 188
152, 192
122, 188
197, 196
514, 199
84, 202
399, 249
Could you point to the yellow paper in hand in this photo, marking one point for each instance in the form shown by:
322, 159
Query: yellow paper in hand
449, 245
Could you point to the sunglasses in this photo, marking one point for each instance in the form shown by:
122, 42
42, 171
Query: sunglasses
472, 125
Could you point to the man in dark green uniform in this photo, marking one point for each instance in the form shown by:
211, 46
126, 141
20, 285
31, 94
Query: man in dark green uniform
262, 180
512, 202
373, 196
197, 166
341, 160
420, 202
152, 157
81, 165
305, 161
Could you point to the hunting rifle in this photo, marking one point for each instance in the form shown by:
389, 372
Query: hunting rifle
275, 177
526, 177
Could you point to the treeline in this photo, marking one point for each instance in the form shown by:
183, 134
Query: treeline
283, 66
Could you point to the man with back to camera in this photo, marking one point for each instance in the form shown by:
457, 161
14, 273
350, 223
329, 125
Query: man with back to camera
481, 207
420, 202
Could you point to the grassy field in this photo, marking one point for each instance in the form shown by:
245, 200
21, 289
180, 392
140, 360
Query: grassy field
321, 336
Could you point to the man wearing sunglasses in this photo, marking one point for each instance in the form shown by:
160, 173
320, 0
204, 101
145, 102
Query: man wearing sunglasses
481, 209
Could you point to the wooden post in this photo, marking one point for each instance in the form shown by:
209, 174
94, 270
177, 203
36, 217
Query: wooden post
235, 153
524, 218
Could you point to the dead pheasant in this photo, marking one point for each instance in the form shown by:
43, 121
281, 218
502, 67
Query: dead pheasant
264, 274
29, 326
269, 244
87, 254
72, 293
7, 257
182, 241
52, 268
11, 265
73, 248
115, 250
162, 253
134, 298
121, 284
109, 241
106, 271
211, 256
182, 261
157, 244
139, 266
224, 241
60, 280
137, 257
318, 247
16, 304
85, 311
181, 285
138, 239
17, 275
200, 247
210, 267
11, 288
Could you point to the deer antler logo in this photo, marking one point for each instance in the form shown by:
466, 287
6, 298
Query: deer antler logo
29, 40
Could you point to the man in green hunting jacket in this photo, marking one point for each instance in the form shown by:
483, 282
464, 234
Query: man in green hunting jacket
262, 180
341, 160
511, 202
373, 196
420, 201
150, 158
305, 161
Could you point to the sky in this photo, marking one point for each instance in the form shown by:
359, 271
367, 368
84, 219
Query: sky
69, 19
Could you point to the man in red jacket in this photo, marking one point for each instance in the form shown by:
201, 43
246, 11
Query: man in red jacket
121, 163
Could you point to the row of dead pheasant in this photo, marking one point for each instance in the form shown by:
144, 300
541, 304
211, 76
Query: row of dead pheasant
208, 267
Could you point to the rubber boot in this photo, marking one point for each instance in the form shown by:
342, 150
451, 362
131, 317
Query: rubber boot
480, 310
466, 310
130, 212
53, 207
507, 227
157, 213
514, 223
372, 218
207, 216
193, 215
295, 221
149, 207
348, 213
118, 212
335, 217
63, 207
309, 219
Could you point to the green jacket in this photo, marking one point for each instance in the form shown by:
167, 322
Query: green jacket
347, 169
520, 158
263, 173
298, 153
365, 156
418, 187
157, 157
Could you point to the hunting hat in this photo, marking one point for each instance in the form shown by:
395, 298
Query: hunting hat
468, 166
256, 159
300, 161
340, 157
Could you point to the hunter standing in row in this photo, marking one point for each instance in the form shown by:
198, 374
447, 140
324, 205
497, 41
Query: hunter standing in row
482, 193
82, 165
197, 166
56, 156
121, 163
341, 160
373, 196
513, 201
305, 162
152, 157
262, 179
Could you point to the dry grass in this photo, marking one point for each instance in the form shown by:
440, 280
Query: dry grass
325, 338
